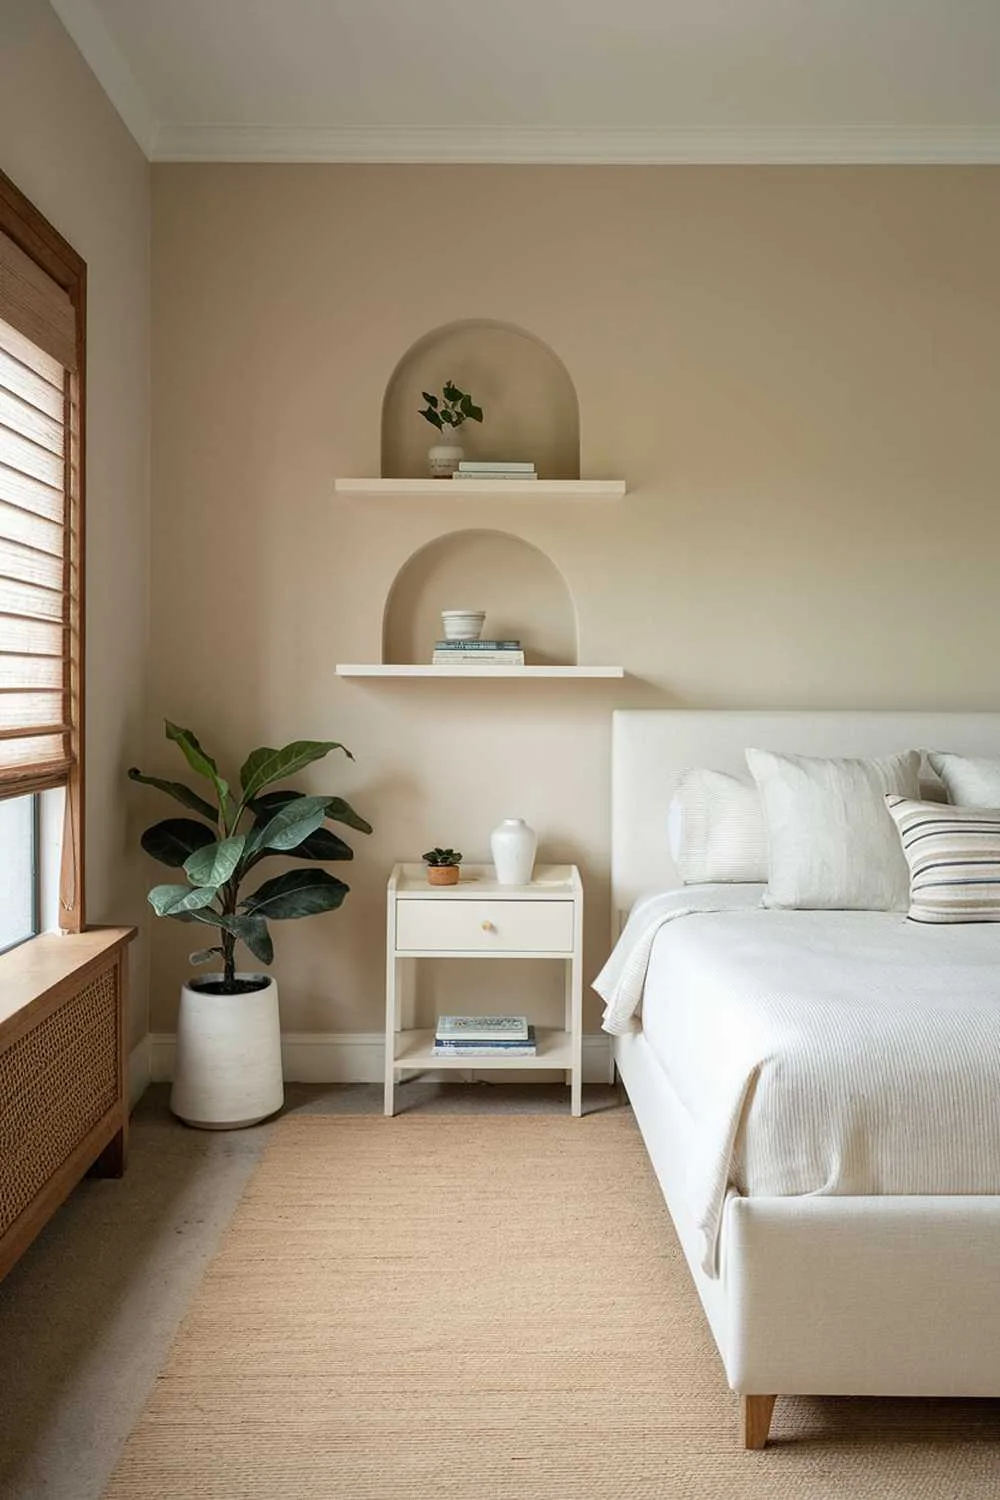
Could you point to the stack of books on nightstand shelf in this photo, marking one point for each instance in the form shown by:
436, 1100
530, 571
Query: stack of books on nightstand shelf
498, 469
478, 654
484, 1036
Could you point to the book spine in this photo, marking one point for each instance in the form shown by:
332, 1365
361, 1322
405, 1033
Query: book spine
471, 1051
480, 645
488, 466
478, 659
479, 1036
512, 1025
499, 1044
494, 474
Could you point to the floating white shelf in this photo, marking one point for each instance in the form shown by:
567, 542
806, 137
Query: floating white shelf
481, 489
417, 669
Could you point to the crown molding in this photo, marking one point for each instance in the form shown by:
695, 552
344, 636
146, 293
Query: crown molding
584, 146
108, 64
513, 145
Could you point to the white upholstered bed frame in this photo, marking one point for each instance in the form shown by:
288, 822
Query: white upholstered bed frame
817, 1295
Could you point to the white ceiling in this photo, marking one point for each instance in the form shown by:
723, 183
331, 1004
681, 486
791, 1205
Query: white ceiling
550, 80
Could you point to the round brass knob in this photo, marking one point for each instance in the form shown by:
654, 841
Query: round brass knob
488, 927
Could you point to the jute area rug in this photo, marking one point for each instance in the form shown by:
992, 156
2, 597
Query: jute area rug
485, 1308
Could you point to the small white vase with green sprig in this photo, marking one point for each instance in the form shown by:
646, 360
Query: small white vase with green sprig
447, 413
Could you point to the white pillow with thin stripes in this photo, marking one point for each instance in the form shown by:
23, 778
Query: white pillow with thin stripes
954, 859
971, 781
716, 829
831, 843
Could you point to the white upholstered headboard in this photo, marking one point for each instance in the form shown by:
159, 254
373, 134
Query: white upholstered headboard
650, 749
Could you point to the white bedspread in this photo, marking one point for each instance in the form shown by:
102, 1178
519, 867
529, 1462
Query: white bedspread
817, 1052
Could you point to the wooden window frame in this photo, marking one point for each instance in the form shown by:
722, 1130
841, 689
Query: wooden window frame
21, 221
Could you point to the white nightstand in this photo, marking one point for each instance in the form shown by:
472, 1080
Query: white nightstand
480, 919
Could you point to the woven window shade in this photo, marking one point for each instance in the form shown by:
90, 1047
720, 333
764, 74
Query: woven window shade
38, 605
36, 306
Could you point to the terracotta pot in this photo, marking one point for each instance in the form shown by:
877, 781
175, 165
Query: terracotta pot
442, 874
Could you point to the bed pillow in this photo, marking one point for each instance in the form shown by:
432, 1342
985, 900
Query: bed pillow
832, 844
969, 781
953, 855
716, 829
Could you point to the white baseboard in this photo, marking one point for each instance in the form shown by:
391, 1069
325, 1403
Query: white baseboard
347, 1057
139, 1071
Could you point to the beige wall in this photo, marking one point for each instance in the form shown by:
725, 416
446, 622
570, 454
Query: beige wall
65, 147
797, 370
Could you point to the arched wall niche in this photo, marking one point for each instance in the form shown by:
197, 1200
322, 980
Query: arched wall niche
531, 412
522, 591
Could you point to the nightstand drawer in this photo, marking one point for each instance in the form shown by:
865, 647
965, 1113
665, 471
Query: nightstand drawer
484, 926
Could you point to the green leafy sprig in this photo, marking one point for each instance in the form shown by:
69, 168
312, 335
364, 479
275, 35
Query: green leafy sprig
451, 408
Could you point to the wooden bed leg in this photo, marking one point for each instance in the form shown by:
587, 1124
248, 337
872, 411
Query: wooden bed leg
755, 1419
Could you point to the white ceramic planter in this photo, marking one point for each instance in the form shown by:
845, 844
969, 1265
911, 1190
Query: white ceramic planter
513, 845
462, 624
227, 1069
444, 459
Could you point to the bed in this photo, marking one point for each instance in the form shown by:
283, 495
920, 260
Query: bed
813, 1289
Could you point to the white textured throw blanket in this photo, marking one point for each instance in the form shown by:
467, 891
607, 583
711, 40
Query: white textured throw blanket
850, 1053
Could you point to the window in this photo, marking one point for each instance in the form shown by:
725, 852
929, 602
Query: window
19, 894
42, 291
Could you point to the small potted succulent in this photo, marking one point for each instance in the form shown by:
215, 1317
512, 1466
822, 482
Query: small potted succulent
442, 866
447, 412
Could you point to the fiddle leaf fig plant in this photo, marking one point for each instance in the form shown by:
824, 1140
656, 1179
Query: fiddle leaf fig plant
451, 408
233, 834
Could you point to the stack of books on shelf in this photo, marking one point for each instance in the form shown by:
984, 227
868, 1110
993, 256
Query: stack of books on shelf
497, 469
484, 1036
478, 654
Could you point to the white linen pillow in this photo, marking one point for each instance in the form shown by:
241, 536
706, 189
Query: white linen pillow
715, 827
971, 781
832, 844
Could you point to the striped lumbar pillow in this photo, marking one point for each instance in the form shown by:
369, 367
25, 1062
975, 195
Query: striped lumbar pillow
954, 859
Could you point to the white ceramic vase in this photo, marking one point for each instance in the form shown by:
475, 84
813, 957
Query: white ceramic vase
227, 1068
513, 845
444, 459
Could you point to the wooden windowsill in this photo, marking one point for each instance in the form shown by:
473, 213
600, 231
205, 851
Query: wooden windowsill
45, 966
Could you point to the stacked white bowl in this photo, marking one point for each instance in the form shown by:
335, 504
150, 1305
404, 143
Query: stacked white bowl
462, 624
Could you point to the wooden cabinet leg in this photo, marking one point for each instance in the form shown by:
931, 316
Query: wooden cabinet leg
755, 1419
111, 1162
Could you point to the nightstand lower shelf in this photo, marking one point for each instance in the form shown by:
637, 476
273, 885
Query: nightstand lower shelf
415, 1049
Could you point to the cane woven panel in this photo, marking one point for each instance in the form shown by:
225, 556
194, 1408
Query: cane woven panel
56, 1082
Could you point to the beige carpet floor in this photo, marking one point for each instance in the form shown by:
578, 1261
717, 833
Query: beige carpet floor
483, 1308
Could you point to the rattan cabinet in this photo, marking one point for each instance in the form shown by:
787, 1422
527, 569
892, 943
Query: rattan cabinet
63, 1103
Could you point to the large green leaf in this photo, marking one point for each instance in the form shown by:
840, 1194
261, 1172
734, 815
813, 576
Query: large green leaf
287, 827
177, 789
266, 765
175, 839
216, 863
297, 893
342, 812
322, 845
176, 900
198, 759
252, 930
268, 803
